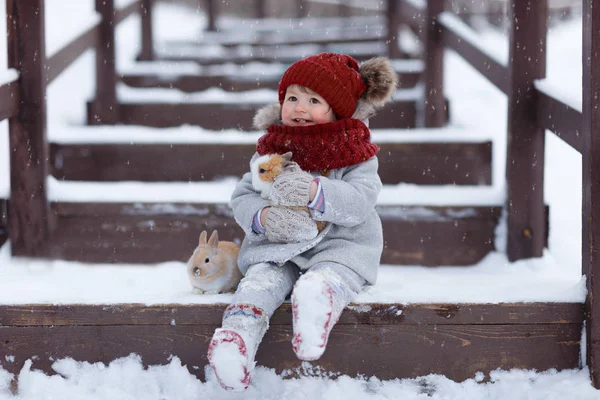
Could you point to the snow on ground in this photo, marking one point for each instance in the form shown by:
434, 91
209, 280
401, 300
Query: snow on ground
478, 113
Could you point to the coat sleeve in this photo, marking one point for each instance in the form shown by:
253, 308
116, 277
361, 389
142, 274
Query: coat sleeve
350, 200
245, 203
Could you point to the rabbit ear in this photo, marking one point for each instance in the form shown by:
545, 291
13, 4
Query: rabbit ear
287, 156
213, 241
202, 238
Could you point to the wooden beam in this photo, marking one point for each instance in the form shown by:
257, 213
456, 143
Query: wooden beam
157, 232
356, 313
28, 215
71, 52
525, 153
427, 163
218, 116
434, 107
591, 182
462, 39
560, 118
147, 52
356, 347
407, 78
211, 12
393, 28
104, 108
10, 98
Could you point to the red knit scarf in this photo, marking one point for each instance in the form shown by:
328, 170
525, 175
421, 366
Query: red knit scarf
320, 147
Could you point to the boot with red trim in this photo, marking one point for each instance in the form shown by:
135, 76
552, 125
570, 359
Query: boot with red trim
232, 348
314, 312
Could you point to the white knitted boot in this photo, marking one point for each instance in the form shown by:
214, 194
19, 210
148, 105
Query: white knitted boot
233, 347
315, 311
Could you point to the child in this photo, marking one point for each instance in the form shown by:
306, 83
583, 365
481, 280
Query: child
322, 100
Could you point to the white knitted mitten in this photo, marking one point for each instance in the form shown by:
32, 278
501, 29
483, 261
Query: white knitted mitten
291, 188
289, 226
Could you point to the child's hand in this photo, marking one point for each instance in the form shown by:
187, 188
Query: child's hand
283, 225
291, 189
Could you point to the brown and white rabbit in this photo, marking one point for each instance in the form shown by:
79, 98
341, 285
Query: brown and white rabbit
213, 266
265, 169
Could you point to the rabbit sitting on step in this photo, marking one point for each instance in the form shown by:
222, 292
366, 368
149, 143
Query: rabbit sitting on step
213, 266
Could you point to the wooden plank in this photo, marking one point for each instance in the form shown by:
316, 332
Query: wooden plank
152, 233
147, 52
525, 146
407, 78
393, 28
10, 98
119, 14
434, 111
218, 116
386, 314
211, 11
3, 222
419, 163
456, 351
64, 57
257, 56
591, 185
28, 217
560, 118
466, 43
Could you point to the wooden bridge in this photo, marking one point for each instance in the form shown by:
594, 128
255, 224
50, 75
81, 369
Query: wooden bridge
456, 340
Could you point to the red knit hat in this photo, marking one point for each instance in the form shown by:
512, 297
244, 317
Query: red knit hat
333, 76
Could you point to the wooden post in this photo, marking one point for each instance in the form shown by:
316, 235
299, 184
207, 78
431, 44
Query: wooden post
104, 108
211, 11
525, 152
147, 53
435, 106
261, 11
393, 24
28, 212
591, 182
301, 10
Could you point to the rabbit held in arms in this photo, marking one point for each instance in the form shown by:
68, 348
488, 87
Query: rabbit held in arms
267, 168
213, 266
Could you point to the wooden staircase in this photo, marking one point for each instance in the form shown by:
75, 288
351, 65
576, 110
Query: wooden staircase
386, 340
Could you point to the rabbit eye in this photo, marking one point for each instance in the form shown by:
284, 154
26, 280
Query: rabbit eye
196, 271
262, 170
206, 260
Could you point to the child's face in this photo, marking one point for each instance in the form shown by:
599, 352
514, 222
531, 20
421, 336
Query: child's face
303, 107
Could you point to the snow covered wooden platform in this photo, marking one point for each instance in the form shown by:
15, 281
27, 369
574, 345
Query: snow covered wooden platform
384, 340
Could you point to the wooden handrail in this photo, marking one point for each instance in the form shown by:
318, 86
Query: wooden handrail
562, 119
63, 58
461, 38
10, 98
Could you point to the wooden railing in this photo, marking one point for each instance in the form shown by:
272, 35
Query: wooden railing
531, 111
24, 104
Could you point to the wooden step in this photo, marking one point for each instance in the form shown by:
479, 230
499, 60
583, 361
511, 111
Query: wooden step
409, 73
398, 114
384, 340
157, 232
280, 54
289, 37
430, 163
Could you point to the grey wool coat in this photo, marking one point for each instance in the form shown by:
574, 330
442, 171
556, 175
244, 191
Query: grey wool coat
353, 237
